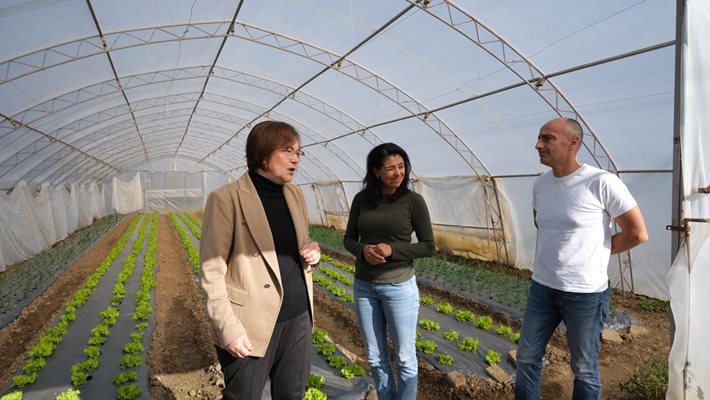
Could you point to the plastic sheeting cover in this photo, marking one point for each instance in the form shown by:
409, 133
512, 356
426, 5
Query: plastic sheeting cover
689, 360
127, 196
32, 221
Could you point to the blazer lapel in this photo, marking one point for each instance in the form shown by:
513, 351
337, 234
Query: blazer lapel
258, 224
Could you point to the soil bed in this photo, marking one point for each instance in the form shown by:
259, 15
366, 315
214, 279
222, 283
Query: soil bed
181, 359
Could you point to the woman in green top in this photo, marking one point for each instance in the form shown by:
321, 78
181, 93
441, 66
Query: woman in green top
379, 234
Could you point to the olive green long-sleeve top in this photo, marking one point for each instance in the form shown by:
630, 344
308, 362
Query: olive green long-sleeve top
391, 223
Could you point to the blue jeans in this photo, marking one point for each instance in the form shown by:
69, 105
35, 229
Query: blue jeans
583, 315
380, 306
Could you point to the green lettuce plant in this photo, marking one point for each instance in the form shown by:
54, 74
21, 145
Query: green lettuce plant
493, 357
451, 335
444, 308
352, 371
315, 381
445, 359
429, 325
469, 345
315, 394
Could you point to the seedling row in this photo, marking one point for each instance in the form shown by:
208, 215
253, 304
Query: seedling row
60, 344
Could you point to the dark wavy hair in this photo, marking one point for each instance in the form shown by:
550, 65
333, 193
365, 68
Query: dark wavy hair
372, 187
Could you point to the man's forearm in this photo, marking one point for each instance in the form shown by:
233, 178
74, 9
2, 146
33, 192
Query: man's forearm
623, 241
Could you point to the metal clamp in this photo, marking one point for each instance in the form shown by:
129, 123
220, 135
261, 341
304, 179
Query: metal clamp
686, 227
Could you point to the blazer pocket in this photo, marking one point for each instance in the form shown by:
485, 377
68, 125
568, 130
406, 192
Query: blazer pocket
238, 298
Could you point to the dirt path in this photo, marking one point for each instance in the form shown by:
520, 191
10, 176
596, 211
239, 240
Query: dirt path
22, 333
182, 358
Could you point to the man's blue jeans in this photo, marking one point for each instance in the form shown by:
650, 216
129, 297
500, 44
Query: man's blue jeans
583, 315
380, 306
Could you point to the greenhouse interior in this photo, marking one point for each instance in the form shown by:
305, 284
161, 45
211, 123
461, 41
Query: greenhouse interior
118, 111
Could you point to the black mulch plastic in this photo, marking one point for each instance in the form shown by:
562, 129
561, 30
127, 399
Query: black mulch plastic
464, 362
55, 377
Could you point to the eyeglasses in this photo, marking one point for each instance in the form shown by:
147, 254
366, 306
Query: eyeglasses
290, 152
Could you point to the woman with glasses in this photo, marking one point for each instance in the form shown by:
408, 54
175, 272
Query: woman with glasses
383, 217
256, 263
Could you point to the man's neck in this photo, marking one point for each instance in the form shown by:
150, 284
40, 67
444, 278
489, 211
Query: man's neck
566, 169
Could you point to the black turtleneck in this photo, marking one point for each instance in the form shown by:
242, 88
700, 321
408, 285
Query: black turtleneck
295, 295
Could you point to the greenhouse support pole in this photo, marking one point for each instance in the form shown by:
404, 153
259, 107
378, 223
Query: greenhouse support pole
677, 189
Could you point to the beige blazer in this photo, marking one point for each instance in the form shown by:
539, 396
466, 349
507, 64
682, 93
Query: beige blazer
238, 264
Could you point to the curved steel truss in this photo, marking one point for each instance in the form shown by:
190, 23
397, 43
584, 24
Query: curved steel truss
69, 150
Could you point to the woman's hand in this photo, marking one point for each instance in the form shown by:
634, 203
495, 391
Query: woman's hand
376, 254
384, 249
240, 347
310, 252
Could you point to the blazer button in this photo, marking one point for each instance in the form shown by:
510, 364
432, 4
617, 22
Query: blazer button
267, 286
255, 254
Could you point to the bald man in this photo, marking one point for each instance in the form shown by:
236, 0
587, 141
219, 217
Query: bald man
573, 207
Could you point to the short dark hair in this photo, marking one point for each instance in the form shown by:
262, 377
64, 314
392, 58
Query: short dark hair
375, 160
264, 138
574, 129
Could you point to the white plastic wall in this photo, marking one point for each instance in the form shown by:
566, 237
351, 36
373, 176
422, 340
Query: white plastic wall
689, 360
32, 220
175, 185
127, 196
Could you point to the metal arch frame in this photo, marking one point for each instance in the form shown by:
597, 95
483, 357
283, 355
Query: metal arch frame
149, 138
537, 80
68, 100
400, 97
119, 123
24, 143
265, 37
258, 35
66, 52
322, 166
50, 104
109, 138
302, 97
50, 140
509, 56
207, 79
361, 74
29, 137
118, 79
189, 98
339, 152
89, 136
62, 178
120, 150
358, 73
116, 136
80, 165
115, 41
384, 87
53, 139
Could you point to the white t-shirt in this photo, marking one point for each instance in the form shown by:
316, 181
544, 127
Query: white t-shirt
573, 217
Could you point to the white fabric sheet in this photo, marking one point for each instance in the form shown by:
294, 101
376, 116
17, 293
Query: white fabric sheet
127, 196
32, 220
689, 361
